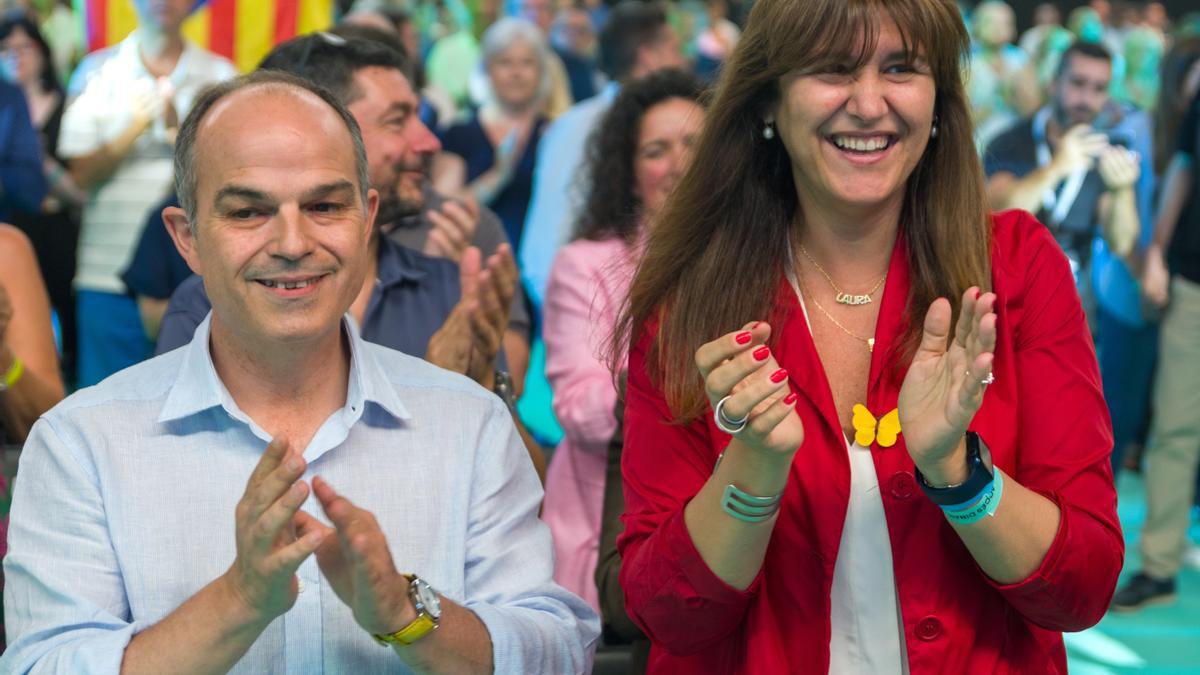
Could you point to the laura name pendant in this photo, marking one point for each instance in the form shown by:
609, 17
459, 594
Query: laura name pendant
847, 299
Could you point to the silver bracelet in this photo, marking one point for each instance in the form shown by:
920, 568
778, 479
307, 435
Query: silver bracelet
744, 506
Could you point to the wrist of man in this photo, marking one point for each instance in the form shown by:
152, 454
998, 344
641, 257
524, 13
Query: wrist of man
239, 613
7, 357
404, 618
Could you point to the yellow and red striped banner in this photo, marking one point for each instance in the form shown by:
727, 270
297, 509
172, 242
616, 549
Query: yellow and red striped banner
241, 30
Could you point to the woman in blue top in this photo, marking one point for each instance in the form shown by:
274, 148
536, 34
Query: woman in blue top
490, 156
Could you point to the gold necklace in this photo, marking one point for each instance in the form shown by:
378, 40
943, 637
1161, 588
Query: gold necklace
870, 341
842, 297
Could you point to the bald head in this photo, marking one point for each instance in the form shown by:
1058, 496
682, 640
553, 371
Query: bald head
266, 115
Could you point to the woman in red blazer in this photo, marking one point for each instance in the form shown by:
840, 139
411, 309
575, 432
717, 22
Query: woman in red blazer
907, 466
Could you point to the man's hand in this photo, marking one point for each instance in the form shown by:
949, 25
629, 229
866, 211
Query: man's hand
453, 230
146, 106
1119, 168
1077, 150
1156, 278
6, 312
271, 541
472, 335
359, 565
492, 289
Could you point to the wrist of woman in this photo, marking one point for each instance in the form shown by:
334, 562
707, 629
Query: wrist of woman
949, 470
756, 471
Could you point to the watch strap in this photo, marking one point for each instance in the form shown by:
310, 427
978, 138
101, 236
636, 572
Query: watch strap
419, 628
979, 478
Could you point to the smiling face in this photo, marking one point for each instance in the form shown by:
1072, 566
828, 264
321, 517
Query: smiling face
399, 146
854, 136
281, 231
664, 148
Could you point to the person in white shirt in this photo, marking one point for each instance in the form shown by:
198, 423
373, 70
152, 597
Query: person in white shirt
117, 138
172, 542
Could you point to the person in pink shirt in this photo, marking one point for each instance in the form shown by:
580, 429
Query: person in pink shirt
638, 153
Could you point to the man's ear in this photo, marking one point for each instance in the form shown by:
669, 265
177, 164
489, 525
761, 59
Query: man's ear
372, 210
176, 222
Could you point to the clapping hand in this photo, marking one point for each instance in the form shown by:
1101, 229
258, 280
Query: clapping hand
945, 383
271, 541
358, 564
473, 333
739, 366
6, 312
453, 230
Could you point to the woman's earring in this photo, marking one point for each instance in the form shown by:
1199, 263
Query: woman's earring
933, 131
769, 131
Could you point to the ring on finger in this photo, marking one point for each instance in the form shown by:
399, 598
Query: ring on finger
731, 427
987, 379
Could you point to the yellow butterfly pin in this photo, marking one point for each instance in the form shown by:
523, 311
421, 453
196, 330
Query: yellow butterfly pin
865, 425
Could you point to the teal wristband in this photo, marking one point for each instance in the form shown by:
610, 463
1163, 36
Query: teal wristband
747, 507
986, 506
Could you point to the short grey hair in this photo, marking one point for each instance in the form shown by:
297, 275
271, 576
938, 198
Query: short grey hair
185, 142
499, 37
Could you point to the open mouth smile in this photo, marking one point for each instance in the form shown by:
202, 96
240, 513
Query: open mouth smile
862, 145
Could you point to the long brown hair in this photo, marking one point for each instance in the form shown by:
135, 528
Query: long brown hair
716, 255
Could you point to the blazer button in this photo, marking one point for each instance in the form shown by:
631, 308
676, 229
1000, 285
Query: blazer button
929, 628
902, 485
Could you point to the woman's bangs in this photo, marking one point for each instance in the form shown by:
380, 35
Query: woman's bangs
848, 31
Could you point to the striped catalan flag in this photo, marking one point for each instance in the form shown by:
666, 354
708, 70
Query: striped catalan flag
241, 30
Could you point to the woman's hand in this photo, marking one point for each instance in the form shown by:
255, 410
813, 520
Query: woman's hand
944, 386
739, 365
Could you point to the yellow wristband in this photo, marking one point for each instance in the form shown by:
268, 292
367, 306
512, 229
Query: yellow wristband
14, 374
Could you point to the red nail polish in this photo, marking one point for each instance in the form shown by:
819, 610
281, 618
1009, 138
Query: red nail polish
743, 338
779, 376
790, 398
761, 353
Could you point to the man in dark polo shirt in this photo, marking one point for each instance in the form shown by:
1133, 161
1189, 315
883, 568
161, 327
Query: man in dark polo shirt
1172, 281
453, 315
1066, 164
1082, 164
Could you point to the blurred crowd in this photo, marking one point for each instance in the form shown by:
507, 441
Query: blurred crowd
557, 127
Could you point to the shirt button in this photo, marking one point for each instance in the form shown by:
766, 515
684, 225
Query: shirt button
300, 585
929, 628
902, 485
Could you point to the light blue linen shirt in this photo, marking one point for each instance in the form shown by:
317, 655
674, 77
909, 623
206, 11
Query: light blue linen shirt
559, 189
125, 508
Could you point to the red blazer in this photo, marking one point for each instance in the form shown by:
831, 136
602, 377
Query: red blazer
1044, 420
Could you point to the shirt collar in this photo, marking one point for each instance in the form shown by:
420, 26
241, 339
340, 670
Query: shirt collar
199, 388
397, 264
128, 49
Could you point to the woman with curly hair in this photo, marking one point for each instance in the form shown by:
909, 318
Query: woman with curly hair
635, 157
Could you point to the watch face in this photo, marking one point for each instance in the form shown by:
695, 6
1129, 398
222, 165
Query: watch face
429, 599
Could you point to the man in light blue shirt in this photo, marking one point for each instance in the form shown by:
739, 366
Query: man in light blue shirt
150, 531
636, 41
